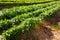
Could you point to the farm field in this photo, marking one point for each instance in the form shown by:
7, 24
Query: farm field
27, 1
36, 20
20, 2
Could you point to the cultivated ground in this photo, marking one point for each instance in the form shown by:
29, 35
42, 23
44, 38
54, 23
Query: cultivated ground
44, 31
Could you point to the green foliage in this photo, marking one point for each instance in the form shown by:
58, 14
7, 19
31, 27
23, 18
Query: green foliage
10, 13
26, 1
51, 12
5, 24
23, 27
18, 19
28, 24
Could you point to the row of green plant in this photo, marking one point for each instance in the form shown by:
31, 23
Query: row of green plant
22, 2
28, 24
19, 18
25, 1
10, 13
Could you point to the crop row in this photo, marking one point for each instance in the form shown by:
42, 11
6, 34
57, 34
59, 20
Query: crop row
25, 1
28, 24
21, 0
19, 18
10, 13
